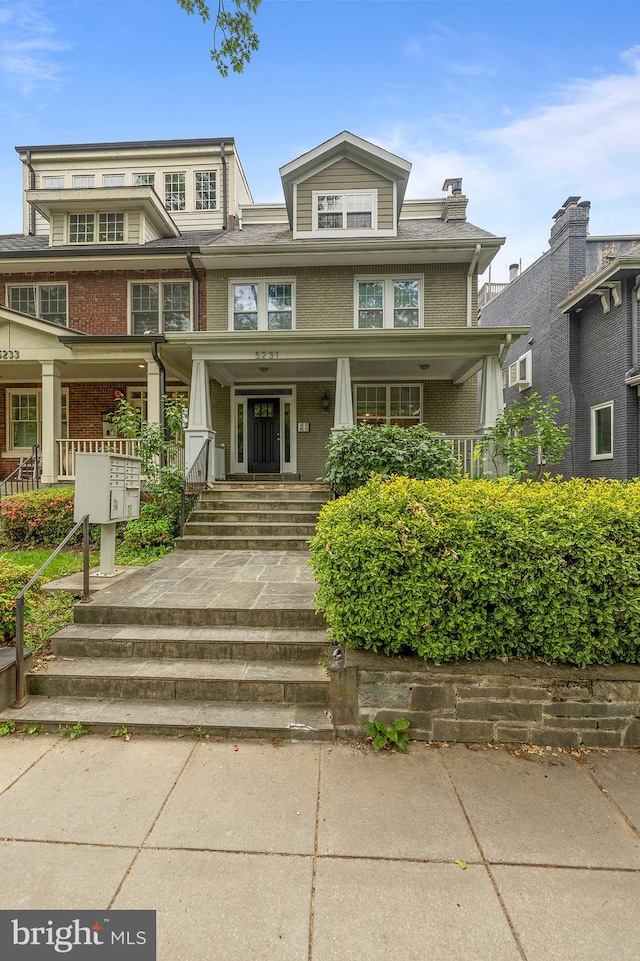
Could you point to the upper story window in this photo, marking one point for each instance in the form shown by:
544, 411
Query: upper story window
53, 183
520, 372
263, 305
144, 180
175, 191
103, 228
205, 189
355, 210
48, 301
84, 181
113, 180
160, 307
388, 302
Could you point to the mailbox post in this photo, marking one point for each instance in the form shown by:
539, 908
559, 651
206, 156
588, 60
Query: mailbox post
108, 489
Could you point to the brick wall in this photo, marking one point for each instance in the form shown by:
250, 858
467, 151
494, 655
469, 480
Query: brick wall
97, 300
518, 701
325, 295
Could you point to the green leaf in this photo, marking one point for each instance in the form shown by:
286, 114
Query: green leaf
380, 741
400, 724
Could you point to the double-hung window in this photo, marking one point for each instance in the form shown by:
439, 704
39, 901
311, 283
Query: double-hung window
48, 301
602, 431
398, 404
205, 190
103, 228
262, 305
160, 307
175, 191
24, 418
388, 302
354, 210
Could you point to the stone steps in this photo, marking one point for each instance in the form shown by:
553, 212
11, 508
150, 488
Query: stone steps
228, 515
181, 680
101, 715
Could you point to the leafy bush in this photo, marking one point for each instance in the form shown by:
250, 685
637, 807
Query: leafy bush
12, 580
40, 517
484, 569
153, 528
355, 454
525, 434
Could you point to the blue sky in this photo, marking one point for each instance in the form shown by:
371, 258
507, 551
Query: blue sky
528, 102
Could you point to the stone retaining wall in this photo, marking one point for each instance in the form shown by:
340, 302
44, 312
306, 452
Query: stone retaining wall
516, 701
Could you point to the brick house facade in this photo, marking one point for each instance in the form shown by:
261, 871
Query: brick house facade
146, 269
580, 300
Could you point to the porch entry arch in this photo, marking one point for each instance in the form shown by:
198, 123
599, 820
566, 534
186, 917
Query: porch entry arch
263, 430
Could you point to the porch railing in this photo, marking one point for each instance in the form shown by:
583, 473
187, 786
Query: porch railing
195, 482
26, 476
463, 446
69, 447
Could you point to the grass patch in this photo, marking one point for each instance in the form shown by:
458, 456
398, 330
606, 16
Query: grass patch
67, 562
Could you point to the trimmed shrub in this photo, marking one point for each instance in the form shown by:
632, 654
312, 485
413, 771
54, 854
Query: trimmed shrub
42, 517
12, 580
355, 454
484, 569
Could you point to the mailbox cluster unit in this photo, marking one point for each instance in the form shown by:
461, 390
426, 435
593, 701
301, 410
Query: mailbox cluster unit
107, 487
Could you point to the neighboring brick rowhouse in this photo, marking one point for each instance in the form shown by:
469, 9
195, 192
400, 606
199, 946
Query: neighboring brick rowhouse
97, 301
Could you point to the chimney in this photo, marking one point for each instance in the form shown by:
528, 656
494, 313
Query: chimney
572, 219
514, 270
455, 203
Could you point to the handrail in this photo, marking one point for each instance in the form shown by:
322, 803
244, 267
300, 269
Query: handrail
21, 700
194, 482
30, 463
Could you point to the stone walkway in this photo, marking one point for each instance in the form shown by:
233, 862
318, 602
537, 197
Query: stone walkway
317, 852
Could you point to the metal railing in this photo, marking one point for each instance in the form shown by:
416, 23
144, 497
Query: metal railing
195, 482
21, 699
26, 476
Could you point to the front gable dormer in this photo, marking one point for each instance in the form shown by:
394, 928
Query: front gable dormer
344, 188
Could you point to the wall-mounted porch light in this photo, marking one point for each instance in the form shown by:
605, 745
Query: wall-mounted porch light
325, 401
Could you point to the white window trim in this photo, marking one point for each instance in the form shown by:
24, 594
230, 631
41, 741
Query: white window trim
286, 467
261, 283
513, 375
594, 409
18, 452
388, 387
157, 280
58, 177
345, 231
90, 186
209, 170
120, 176
96, 240
387, 301
37, 286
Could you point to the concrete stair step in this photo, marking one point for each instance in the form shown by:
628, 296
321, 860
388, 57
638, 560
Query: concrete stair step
198, 643
230, 516
294, 542
271, 529
296, 618
266, 494
178, 718
180, 680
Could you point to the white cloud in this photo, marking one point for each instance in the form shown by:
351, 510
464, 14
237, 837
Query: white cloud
586, 142
28, 47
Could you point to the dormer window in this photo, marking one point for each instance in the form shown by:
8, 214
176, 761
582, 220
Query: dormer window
355, 210
82, 228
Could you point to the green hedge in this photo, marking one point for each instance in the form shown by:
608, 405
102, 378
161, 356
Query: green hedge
354, 455
484, 569
42, 517
12, 580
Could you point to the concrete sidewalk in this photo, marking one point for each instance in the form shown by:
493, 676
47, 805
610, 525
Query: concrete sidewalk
316, 852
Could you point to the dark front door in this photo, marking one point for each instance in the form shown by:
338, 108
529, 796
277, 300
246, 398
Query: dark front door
264, 435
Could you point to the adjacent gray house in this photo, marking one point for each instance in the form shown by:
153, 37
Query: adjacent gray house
580, 301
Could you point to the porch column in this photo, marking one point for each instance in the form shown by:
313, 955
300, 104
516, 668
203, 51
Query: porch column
154, 398
200, 427
491, 406
51, 420
343, 416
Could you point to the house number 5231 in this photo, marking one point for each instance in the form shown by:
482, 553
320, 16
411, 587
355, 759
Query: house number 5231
266, 354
